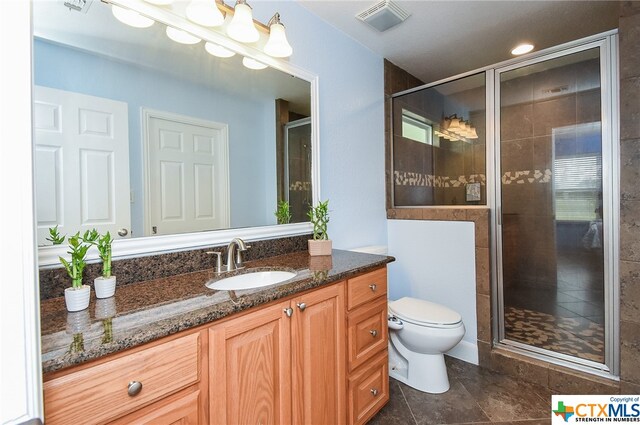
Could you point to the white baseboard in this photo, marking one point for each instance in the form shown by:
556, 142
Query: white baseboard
465, 351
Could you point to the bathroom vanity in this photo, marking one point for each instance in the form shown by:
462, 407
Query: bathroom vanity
312, 349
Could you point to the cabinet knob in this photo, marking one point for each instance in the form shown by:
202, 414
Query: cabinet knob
373, 332
123, 232
301, 306
373, 287
134, 388
288, 311
374, 391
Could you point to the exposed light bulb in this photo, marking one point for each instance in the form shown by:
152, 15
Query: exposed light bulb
521, 49
181, 36
253, 64
205, 13
160, 2
131, 17
217, 50
241, 27
277, 45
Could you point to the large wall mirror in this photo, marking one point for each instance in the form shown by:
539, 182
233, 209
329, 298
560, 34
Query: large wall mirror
162, 142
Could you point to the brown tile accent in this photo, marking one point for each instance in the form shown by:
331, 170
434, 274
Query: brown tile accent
444, 214
520, 366
481, 219
630, 230
630, 108
630, 170
629, 349
567, 381
483, 312
630, 291
629, 27
483, 271
629, 388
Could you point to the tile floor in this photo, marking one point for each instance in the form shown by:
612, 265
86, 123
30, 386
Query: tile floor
476, 396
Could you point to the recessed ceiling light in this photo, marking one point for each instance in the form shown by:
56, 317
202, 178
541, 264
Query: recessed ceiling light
521, 49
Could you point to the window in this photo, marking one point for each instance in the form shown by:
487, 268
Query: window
578, 187
414, 127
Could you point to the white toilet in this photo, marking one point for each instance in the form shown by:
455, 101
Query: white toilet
420, 332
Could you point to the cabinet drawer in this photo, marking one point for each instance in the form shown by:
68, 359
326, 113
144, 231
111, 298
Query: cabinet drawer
369, 390
366, 287
98, 394
367, 332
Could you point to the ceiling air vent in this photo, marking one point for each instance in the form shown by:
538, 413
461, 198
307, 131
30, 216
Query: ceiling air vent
383, 15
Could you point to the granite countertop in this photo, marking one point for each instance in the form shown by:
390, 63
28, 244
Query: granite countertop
144, 311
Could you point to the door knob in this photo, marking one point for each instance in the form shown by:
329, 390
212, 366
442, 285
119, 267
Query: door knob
301, 306
123, 232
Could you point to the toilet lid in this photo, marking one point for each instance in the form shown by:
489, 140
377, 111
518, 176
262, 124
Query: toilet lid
423, 312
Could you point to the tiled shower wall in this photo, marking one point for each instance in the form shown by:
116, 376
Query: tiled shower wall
526, 164
629, 33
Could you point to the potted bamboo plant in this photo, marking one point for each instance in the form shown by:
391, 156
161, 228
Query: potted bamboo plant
319, 217
76, 297
105, 285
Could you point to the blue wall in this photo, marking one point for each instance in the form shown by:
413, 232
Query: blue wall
252, 179
351, 122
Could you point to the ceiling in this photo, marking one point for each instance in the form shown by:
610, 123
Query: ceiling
444, 38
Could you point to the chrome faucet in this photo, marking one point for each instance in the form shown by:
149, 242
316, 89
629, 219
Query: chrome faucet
234, 254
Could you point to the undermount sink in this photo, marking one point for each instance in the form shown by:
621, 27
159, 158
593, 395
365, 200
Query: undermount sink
250, 280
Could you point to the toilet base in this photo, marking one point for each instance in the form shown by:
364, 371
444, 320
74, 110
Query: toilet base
424, 372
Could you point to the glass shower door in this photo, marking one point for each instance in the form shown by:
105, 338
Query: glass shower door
550, 165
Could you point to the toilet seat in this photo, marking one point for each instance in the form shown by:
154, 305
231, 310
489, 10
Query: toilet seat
425, 313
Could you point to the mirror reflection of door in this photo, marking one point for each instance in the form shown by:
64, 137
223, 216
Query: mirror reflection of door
187, 172
81, 142
298, 168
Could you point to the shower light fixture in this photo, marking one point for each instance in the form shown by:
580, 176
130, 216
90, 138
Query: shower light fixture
205, 13
131, 17
241, 28
521, 49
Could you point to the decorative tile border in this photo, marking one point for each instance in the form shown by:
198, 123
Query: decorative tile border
527, 176
408, 178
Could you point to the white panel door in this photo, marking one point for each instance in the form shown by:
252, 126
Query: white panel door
81, 163
187, 174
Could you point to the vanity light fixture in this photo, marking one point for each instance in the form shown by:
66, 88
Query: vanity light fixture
160, 2
455, 129
241, 27
131, 17
181, 36
277, 46
218, 50
205, 13
521, 49
253, 64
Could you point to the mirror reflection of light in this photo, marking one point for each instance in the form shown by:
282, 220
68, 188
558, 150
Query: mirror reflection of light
241, 27
205, 13
253, 64
180, 36
217, 50
130, 17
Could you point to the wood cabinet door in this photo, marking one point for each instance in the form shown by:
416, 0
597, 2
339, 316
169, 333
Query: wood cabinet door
318, 357
250, 373
181, 409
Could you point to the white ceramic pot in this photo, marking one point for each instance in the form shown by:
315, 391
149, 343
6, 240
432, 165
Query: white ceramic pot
105, 286
77, 299
319, 247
